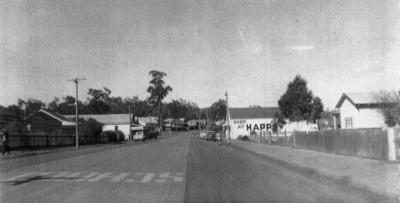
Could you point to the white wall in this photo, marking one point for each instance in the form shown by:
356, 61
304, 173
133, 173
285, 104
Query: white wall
299, 126
362, 118
123, 128
245, 126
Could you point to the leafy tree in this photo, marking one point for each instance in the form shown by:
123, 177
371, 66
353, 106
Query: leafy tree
15, 110
317, 108
141, 108
54, 105
182, 108
32, 105
66, 106
389, 107
117, 105
217, 111
157, 90
99, 100
298, 103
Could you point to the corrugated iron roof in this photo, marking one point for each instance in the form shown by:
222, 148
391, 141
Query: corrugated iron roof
357, 98
262, 112
115, 119
105, 118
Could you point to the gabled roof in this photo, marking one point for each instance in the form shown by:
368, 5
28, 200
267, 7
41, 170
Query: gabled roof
64, 120
358, 98
248, 113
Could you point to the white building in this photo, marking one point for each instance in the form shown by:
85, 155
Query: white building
360, 110
113, 122
243, 121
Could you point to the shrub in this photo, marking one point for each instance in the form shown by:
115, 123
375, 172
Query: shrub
114, 137
90, 130
243, 137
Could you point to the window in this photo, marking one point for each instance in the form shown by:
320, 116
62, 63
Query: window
348, 122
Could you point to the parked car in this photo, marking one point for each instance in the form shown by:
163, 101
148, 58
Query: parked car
138, 136
210, 135
151, 132
179, 127
203, 134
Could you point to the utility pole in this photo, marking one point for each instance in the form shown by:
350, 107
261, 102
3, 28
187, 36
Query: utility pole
199, 122
227, 117
76, 81
130, 122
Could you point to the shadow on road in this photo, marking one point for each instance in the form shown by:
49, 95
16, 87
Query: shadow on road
34, 178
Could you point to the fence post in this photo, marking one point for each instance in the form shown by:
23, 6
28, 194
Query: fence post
391, 145
294, 139
286, 140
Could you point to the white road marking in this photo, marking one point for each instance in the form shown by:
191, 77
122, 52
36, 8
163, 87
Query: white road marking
59, 177
97, 176
65, 176
164, 177
109, 175
90, 175
148, 177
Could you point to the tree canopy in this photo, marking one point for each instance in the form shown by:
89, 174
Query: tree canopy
390, 107
157, 89
217, 111
298, 103
99, 100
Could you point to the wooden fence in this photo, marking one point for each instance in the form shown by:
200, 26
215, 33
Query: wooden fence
369, 143
48, 140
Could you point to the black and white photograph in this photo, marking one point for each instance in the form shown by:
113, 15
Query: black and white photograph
199, 101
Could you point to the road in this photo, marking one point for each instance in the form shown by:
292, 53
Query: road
180, 168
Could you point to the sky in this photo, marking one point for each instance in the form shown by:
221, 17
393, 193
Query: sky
251, 49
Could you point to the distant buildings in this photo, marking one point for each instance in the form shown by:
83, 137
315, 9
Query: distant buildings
118, 122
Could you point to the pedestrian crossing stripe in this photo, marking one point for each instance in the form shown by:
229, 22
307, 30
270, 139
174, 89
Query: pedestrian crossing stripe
65, 176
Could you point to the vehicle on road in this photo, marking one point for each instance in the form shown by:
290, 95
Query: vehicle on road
203, 134
151, 132
179, 127
210, 135
138, 136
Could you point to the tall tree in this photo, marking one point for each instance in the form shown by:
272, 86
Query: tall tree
99, 100
158, 91
217, 111
33, 105
298, 103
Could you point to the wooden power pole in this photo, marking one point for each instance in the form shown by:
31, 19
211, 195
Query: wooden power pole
76, 81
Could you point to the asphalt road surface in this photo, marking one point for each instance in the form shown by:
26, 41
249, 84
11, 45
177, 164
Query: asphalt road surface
181, 168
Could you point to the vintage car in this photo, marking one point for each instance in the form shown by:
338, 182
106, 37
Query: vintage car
210, 135
138, 136
151, 132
